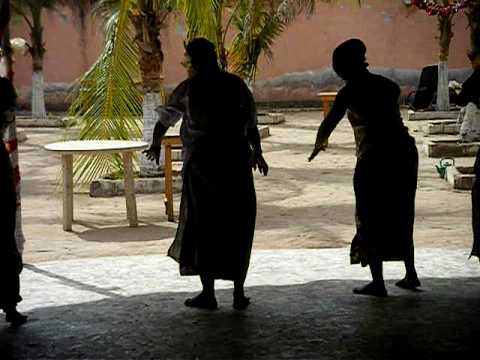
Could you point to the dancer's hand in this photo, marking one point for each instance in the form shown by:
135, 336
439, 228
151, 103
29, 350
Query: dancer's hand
153, 153
259, 161
262, 165
316, 150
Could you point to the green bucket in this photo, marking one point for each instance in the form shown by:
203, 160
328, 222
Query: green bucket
442, 166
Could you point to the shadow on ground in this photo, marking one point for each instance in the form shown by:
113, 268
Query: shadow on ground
319, 319
121, 234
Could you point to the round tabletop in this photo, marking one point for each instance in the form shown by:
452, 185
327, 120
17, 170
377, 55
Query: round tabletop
96, 146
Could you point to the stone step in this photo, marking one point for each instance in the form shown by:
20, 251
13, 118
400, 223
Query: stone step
449, 147
432, 115
460, 177
449, 127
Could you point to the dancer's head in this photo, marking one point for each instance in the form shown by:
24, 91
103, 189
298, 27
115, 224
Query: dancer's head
348, 58
202, 55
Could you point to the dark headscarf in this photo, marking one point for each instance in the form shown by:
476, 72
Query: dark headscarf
348, 58
203, 55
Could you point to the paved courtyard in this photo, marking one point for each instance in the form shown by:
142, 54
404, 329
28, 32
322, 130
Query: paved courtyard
302, 308
107, 291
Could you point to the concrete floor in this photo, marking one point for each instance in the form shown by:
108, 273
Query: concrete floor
302, 308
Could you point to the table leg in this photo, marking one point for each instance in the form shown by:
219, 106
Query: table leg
168, 183
130, 190
67, 169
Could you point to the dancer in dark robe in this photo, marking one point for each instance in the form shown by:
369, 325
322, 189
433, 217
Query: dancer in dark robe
385, 178
221, 144
10, 258
471, 93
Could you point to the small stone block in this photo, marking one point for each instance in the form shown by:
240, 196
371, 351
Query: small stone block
448, 127
431, 115
270, 118
461, 178
440, 149
109, 188
264, 131
49, 122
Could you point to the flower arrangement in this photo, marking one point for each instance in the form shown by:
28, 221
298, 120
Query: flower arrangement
433, 8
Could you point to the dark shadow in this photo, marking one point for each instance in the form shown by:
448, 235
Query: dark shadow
37, 185
302, 216
297, 125
73, 283
314, 175
128, 234
333, 148
316, 320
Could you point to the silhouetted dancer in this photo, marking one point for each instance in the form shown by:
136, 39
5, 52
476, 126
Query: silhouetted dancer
471, 93
385, 177
10, 259
471, 87
221, 144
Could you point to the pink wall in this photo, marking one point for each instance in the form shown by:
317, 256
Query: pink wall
66, 58
395, 36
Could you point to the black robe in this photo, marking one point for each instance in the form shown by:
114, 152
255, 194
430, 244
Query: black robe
10, 259
385, 178
218, 205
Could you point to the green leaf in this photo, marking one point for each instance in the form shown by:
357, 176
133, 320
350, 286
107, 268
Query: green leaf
108, 105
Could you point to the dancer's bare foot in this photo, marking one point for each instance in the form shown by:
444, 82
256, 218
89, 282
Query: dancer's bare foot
409, 283
202, 301
373, 289
15, 318
240, 302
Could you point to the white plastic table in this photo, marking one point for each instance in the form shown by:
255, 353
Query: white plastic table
69, 148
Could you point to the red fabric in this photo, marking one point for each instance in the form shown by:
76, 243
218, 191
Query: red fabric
11, 145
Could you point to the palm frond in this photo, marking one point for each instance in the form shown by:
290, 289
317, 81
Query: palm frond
288, 10
108, 104
201, 17
258, 24
105, 9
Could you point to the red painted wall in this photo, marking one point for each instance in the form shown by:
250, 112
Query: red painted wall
396, 36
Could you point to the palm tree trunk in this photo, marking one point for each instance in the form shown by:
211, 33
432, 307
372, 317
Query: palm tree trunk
443, 100
151, 101
473, 15
37, 51
446, 34
222, 52
147, 24
38, 96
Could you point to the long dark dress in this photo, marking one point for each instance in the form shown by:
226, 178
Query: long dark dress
218, 205
10, 259
385, 177
476, 208
471, 93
